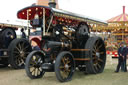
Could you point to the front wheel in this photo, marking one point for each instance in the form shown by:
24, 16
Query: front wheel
33, 65
64, 66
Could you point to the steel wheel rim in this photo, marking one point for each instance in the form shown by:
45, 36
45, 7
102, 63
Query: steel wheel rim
97, 55
20, 53
35, 66
66, 67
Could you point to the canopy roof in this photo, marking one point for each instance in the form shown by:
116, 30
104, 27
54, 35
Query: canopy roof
22, 14
120, 18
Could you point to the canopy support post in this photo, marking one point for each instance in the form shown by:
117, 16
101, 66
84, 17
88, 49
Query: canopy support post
28, 23
43, 22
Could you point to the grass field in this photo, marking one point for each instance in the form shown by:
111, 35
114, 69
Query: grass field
10, 76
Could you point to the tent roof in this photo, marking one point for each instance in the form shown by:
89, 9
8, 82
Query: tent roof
119, 18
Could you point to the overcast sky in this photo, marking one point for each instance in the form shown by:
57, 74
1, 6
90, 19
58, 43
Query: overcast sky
100, 9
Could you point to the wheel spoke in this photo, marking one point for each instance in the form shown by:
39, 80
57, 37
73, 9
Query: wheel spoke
23, 44
37, 58
18, 60
95, 66
97, 43
63, 74
99, 65
25, 48
69, 66
24, 57
94, 58
99, 47
26, 53
68, 70
66, 74
94, 54
101, 52
21, 62
39, 69
63, 60
31, 64
38, 72
68, 62
94, 48
35, 72
19, 46
16, 52
16, 56
100, 60
61, 67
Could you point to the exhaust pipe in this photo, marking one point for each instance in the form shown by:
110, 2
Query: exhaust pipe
52, 3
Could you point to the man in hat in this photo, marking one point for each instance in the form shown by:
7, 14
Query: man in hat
121, 57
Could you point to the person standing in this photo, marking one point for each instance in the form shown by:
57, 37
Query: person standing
121, 57
23, 33
125, 57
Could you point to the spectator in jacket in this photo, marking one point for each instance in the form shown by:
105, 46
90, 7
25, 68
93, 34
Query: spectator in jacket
125, 57
23, 35
121, 57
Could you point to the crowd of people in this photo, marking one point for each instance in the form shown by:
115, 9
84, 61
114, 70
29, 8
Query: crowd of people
123, 55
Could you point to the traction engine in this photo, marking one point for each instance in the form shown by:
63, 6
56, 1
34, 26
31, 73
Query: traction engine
65, 44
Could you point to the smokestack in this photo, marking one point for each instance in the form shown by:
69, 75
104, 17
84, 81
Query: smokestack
52, 3
123, 9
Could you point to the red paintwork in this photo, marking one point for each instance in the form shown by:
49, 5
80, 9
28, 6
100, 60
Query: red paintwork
22, 14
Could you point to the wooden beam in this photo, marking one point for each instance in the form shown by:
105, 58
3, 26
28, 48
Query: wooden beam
80, 49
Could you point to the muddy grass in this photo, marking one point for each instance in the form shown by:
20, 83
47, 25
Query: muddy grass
10, 76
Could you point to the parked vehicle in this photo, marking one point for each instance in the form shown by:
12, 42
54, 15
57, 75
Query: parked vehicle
13, 50
65, 43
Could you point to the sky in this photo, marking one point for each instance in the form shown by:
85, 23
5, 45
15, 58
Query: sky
99, 9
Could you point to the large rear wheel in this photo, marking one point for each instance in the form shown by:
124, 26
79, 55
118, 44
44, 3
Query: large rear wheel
97, 55
18, 51
64, 66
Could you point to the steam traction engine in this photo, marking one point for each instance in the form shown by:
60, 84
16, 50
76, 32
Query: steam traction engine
13, 50
65, 44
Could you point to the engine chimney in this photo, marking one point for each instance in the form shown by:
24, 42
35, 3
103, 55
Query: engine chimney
52, 3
